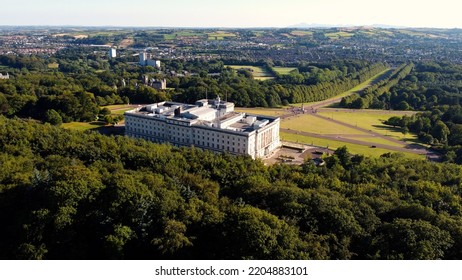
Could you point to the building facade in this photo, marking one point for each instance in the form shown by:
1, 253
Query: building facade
4, 77
208, 124
112, 53
145, 59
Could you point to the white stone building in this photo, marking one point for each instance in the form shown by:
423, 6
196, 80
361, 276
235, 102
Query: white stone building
145, 59
4, 77
112, 53
209, 124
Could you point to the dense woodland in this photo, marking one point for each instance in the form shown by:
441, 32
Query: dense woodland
435, 89
73, 195
83, 82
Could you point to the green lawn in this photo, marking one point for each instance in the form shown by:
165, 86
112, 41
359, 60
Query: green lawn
301, 33
259, 73
331, 144
261, 111
370, 120
337, 35
220, 35
120, 108
310, 123
53, 65
115, 110
375, 140
284, 70
82, 126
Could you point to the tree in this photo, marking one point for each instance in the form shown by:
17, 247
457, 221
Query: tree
440, 132
53, 117
412, 240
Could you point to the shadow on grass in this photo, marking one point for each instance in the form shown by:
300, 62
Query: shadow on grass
387, 127
109, 130
98, 123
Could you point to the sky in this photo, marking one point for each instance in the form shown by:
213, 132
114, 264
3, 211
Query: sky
232, 13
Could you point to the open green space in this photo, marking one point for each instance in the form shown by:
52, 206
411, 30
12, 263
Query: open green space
375, 140
301, 33
262, 111
53, 65
332, 144
370, 120
338, 35
82, 126
283, 70
115, 110
120, 108
313, 124
220, 35
183, 33
258, 72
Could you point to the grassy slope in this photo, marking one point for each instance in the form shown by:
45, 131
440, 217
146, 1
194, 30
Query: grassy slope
353, 148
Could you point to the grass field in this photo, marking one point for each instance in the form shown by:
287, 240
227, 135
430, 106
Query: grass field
82, 125
182, 33
370, 120
220, 35
262, 111
331, 144
126, 42
301, 33
338, 35
115, 110
375, 140
258, 72
310, 123
284, 70
53, 65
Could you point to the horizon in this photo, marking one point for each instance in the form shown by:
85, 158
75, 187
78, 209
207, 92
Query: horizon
236, 14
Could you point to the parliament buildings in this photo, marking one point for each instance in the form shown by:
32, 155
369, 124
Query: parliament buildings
208, 124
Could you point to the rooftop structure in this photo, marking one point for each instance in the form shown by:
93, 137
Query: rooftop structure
112, 53
208, 124
4, 77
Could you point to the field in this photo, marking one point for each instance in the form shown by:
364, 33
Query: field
220, 35
125, 43
83, 125
368, 119
359, 130
332, 144
53, 65
338, 35
182, 33
115, 110
120, 109
258, 73
301, 33
312, 124
283, 70
261, 111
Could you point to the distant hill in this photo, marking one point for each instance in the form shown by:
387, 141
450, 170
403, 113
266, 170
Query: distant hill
318, 25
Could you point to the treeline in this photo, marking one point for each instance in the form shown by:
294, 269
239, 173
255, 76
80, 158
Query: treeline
240, 87
371, 97
325, 90
419, 87
441, 128
73, 195
77, 81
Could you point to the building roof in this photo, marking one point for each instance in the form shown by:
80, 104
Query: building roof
210, 113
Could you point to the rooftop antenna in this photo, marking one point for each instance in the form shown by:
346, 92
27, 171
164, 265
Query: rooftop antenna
206, 94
